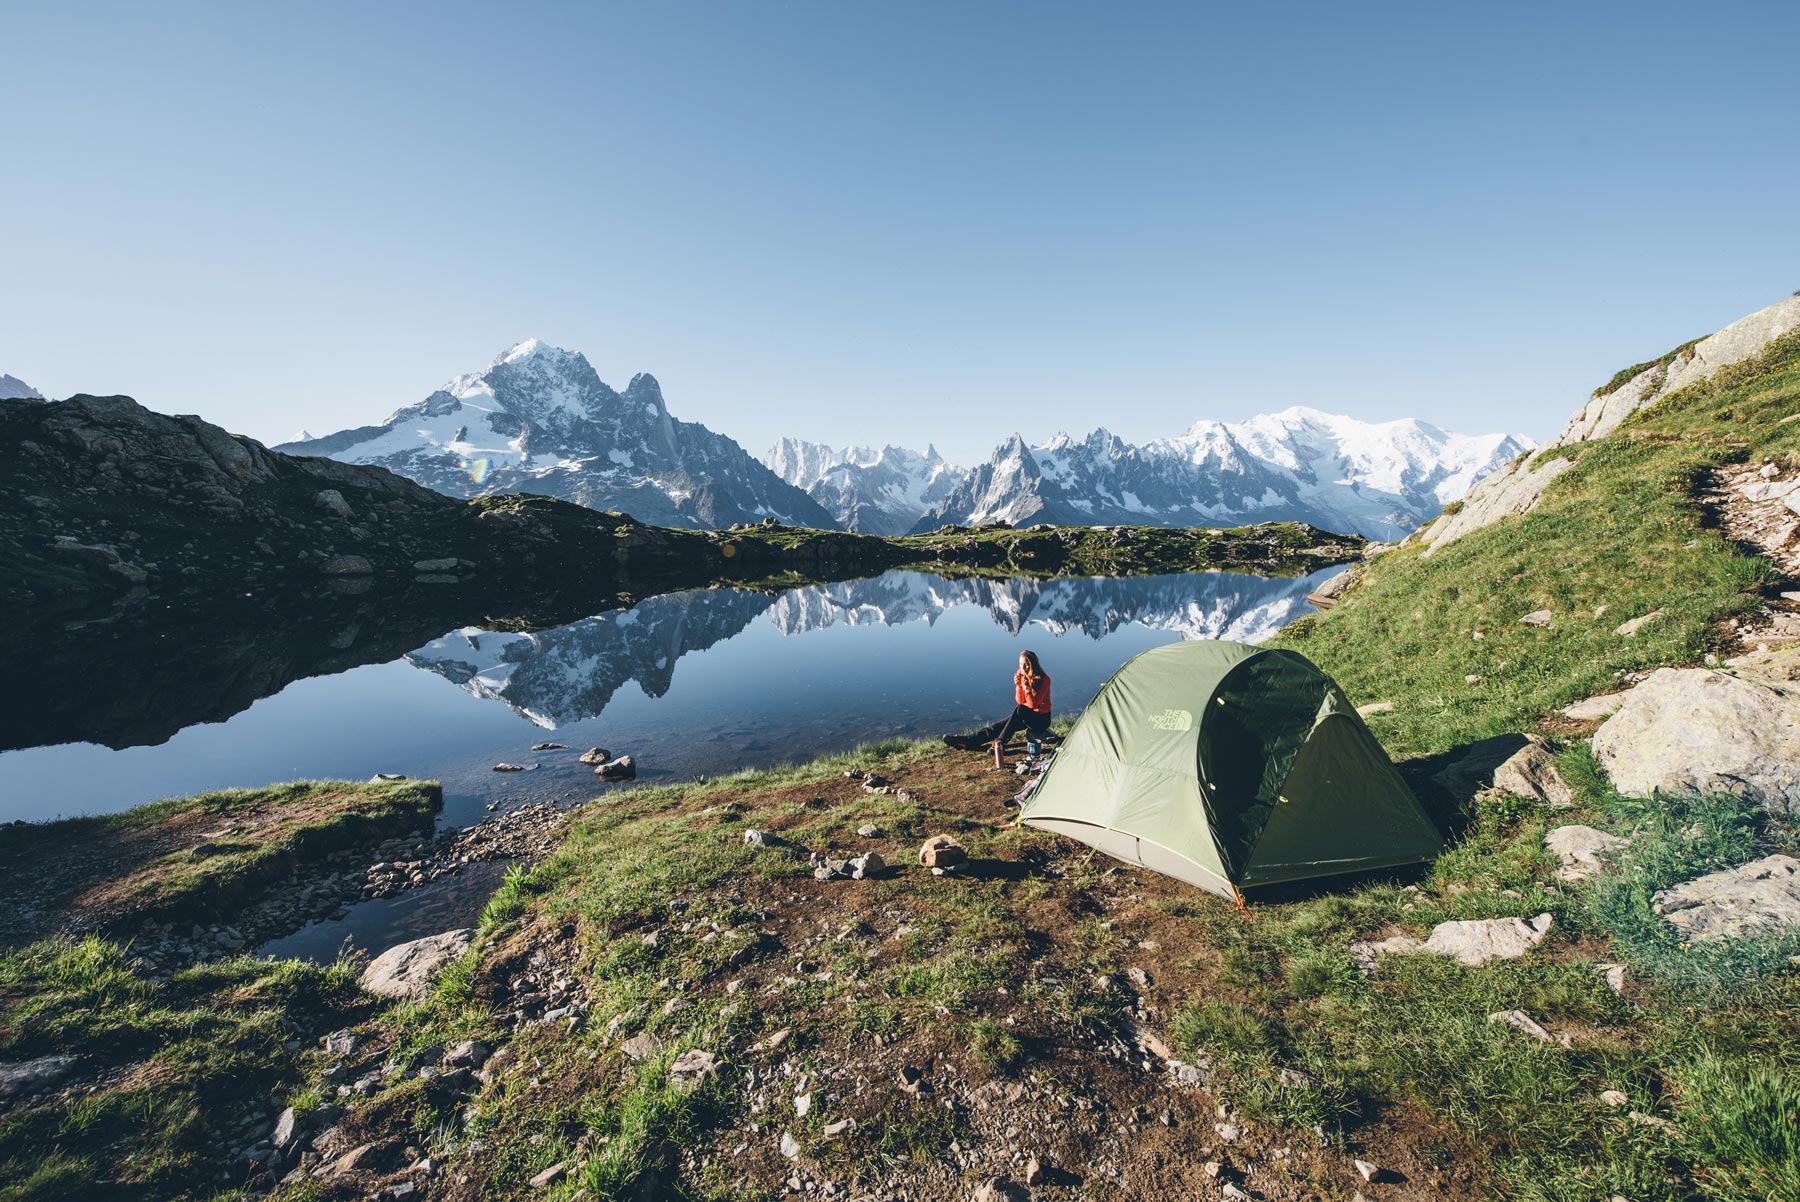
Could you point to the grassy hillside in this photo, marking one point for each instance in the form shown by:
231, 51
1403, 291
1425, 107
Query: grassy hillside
1617, 536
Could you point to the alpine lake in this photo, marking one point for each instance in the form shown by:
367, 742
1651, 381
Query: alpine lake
110, 713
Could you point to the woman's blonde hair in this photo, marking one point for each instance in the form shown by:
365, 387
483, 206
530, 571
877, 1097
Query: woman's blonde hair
1034, 671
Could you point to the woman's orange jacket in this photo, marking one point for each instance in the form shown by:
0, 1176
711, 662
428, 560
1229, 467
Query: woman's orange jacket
1033, 698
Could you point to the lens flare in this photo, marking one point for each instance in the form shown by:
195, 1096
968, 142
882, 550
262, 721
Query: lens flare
477, 468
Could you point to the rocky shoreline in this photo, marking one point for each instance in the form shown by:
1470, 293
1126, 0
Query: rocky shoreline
387, 869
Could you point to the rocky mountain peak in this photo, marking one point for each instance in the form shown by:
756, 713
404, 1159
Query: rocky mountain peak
14, 389
539, 419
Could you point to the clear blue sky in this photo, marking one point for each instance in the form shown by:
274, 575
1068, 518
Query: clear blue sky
891, 222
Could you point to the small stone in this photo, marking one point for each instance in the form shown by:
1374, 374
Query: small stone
350, 1161
1229, 1132
911, 1080
549, 746
1373, 708
1537, 617
509, 767
756, 838
1367, 1169
1630, 628
833, 1130
641, 1046
868, 830
692, 1069
467, 1054
549, 1176
790, 1147
1614, 1097
1034, 1172
1522, 1021
287, 1129
802, 1104
941, 851
1472, 678
1614, 975
593, 757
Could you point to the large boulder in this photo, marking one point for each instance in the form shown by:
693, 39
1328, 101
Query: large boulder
1696, 729
1477, 940
1757, 898
407, 971
1522, 766
1472, 941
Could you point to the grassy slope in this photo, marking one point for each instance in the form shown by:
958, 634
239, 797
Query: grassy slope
1619, 529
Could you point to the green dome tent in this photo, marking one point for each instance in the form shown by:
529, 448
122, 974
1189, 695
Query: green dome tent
1230, 766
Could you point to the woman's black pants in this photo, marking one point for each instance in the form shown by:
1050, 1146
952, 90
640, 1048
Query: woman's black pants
1023, 717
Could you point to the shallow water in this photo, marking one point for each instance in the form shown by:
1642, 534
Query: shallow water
695, 683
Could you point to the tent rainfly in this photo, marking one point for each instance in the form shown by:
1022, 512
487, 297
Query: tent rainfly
1230, 766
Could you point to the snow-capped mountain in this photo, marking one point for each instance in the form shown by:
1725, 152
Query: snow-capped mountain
1380, 480
539, 419
14, 389
870, 491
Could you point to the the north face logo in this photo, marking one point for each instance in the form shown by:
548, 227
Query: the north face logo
1172, 720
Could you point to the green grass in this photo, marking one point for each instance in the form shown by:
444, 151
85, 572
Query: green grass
204, 1047
206, 880
1626, 375
1620, 530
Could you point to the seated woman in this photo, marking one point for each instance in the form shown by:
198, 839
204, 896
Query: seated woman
1031, 711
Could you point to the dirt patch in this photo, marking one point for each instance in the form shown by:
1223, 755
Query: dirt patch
1757, 506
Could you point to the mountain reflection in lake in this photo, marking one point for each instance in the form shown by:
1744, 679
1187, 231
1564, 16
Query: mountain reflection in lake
762, 680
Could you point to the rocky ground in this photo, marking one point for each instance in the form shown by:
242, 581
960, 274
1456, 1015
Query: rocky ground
1064, 1081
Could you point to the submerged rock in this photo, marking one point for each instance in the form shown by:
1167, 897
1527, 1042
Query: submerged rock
1699, 730
623, 768
347, 565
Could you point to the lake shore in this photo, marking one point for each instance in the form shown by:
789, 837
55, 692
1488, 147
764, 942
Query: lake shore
666, 1002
